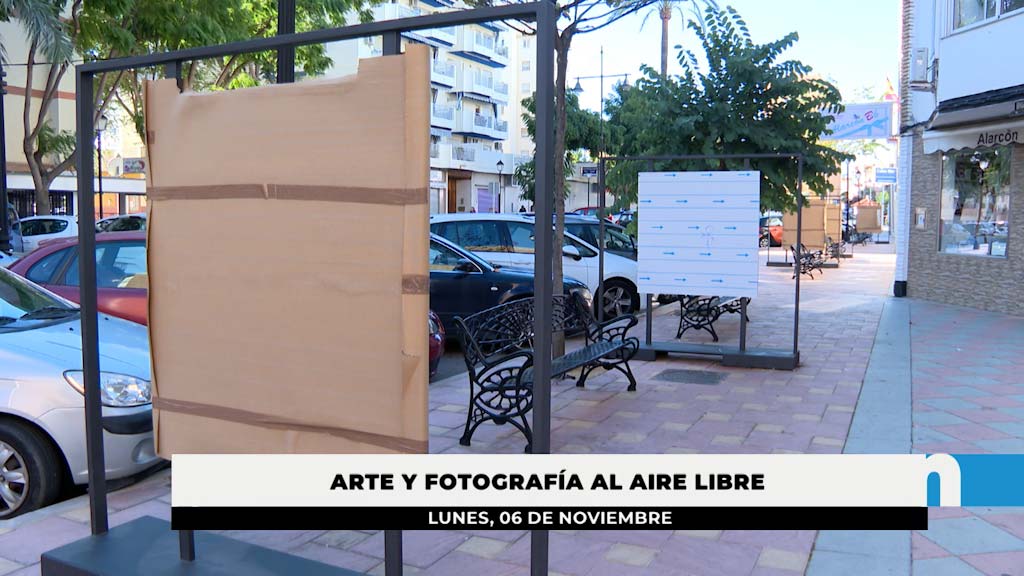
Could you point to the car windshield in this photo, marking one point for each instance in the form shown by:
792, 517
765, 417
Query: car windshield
21, 302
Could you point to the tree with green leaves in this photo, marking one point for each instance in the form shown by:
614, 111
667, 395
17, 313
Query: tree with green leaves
747, 100
41, 19
664, 9
582, 132
574, 17
104, 29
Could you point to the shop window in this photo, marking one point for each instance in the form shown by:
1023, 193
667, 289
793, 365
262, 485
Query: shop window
974, 214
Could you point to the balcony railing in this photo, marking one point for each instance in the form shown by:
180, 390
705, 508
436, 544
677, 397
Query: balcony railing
501, 90
445, 112
464, 153
446, 35
484, 41
501, 50
443, 72
501, 128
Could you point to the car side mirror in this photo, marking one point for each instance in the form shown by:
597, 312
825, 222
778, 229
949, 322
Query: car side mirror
572, 252
465, 265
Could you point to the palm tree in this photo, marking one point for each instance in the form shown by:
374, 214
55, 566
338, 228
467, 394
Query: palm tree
664, 10
41, 19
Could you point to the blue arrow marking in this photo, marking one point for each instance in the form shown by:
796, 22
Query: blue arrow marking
730, 227
694, 227
657, 227
680, 279
718, 201
719, 281
646, 201
682, 201
705, 253
669, 253
744, 255
645, 277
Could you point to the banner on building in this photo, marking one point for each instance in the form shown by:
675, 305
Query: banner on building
862, 122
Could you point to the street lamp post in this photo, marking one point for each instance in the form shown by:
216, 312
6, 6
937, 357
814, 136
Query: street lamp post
101, 125
501, 183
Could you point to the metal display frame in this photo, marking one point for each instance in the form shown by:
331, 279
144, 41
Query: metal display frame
95, 553
740, 356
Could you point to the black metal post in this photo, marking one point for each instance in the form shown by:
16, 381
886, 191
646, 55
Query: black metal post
649, 333
89, 317
99, 168
796, 257
392, 43
393, 553
286, 54
544, 256
5, 237
187, 545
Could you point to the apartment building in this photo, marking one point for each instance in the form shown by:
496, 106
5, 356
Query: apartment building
472, 156
960, 230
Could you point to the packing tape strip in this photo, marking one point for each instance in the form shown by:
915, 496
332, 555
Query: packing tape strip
395, 443
415, 284
353, 194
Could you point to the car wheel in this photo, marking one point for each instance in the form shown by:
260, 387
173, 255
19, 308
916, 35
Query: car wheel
763, 242
30, 470
618, 298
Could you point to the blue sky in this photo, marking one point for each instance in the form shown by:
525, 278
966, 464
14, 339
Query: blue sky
853, 43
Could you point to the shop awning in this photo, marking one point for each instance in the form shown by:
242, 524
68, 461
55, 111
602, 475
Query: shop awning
1009, 131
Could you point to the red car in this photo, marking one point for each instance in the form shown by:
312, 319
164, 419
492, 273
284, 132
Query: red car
771, 231
436, 338
121, 278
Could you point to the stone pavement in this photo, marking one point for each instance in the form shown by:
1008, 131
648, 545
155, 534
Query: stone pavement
681, 406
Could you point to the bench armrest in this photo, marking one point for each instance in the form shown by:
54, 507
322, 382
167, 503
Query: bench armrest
614, 329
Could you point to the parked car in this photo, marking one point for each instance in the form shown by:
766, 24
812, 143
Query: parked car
121, 275
624, 218
770, 231
42, 420
462, 283
38, 229
616, 239
124, 223
592, 211
436, 337
507, 240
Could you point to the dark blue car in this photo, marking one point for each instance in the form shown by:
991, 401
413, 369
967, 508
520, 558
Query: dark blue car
462, 284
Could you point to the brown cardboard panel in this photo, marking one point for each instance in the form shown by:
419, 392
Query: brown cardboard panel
813, 220
868, 219
833, 221
287, 248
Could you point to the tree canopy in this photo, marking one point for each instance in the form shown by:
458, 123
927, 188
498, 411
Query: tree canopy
582, 132
746, 99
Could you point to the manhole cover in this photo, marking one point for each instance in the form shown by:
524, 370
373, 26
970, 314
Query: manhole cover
683, 376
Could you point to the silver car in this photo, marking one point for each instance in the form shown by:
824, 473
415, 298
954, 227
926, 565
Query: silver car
42, 416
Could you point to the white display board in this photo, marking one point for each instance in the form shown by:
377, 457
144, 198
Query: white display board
698, 233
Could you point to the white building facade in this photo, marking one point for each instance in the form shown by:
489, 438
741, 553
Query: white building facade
475, 107
960, 229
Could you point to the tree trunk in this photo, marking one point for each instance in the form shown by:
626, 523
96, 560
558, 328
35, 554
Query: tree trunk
666, 15
562, 43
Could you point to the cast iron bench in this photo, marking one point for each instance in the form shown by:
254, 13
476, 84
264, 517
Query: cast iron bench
808, 262
834, 250
701, 312
497, 345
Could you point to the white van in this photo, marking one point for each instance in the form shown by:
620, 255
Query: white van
507, 240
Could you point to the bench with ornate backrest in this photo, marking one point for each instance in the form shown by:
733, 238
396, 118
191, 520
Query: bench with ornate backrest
834, 250
808, 262
701, 312
497, 345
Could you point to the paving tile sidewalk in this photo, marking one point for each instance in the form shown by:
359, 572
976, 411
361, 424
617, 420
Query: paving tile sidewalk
748, 411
